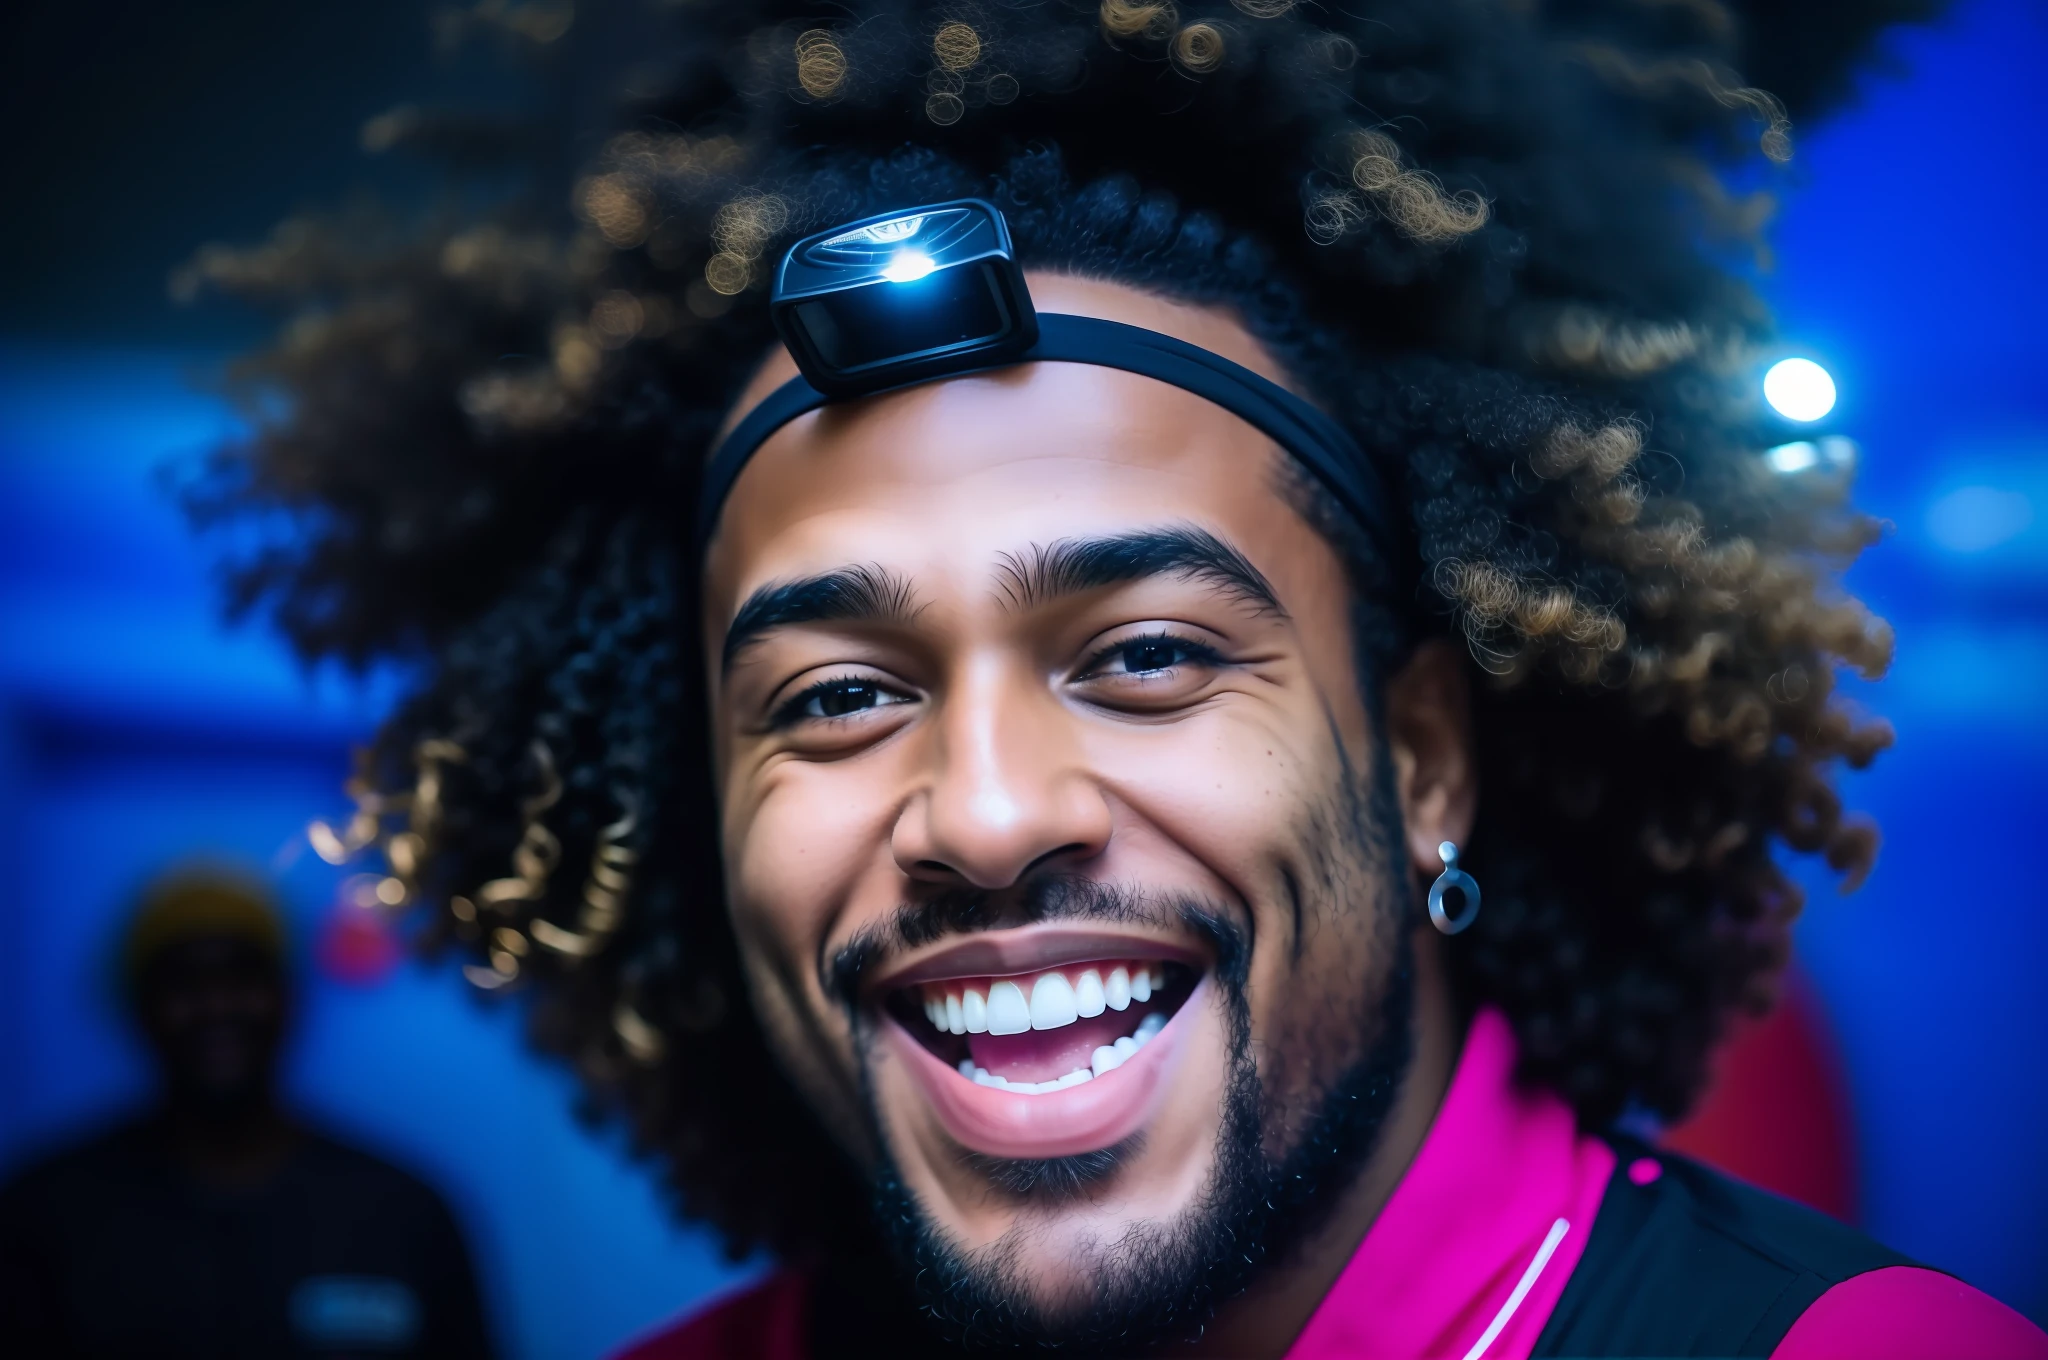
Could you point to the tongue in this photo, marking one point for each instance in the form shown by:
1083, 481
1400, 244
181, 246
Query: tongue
1046, 1054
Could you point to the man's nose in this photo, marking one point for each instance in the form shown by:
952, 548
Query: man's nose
1007, 789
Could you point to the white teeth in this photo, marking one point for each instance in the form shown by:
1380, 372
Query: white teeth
1052, 1002
1048, 1001
982, 1077
1006, 999
1088, 999
1008, 1013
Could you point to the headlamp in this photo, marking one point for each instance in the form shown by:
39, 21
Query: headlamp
883, 301
935, 291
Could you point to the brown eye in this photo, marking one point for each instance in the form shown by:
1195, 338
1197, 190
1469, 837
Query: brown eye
838, 699
841, 700
1150, 656
1153, 654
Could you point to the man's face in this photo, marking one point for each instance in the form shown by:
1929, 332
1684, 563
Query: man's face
1060, 872
213, 1010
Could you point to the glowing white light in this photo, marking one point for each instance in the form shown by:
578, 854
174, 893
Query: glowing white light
1791, 458
1834, 452
1799, 389
908, 266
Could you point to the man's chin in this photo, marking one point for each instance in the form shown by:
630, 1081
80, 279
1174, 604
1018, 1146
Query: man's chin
1125, 1245
1082, 1217
1071, 1252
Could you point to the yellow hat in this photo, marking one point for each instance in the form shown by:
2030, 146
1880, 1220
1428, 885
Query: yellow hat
190, 903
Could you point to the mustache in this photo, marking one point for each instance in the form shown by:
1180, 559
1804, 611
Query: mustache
1053, 897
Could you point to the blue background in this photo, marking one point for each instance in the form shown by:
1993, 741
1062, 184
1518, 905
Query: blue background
135, 730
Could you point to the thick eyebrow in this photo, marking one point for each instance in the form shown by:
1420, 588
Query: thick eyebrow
1073, 565
865, 594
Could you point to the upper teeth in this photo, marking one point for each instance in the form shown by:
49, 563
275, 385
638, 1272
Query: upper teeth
1047, 1001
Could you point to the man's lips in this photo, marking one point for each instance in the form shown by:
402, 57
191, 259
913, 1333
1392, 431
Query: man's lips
1028, 949
1041, 1041
1084, 1117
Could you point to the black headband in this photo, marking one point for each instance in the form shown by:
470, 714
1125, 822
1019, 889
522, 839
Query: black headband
943, 283
1317, 442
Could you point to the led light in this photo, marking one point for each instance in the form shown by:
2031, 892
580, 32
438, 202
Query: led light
1837, 453
887, 233
908, 266
878, 233
1799, 389
1794, 457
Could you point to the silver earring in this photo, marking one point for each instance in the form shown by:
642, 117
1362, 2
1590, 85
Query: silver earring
1452, 877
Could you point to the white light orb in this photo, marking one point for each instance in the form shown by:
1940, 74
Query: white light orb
1799, 389
908, 266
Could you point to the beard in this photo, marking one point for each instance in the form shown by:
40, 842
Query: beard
1162, 1282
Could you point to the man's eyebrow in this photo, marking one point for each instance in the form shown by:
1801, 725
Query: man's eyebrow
863, 593
1072, 565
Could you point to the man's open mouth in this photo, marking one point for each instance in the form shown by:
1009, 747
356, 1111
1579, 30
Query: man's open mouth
1080, 1022
1036, 1033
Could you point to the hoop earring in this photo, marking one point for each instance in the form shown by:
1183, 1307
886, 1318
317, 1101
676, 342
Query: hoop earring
1452, 877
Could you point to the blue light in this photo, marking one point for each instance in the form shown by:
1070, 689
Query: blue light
1975, 519
908, 266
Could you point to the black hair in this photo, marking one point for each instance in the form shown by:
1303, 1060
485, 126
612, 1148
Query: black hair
1492, 238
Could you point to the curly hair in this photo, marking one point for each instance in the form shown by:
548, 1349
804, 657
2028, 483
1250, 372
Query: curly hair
1493, 238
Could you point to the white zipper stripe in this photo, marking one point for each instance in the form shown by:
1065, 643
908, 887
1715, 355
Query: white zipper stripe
1522, 1288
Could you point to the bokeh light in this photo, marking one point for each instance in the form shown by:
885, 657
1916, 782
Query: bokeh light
1799, 389
1974, 519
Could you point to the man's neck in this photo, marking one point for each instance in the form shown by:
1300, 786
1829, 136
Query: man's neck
228, 1147
1265, 1320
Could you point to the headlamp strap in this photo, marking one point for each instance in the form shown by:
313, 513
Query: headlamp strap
1317, 442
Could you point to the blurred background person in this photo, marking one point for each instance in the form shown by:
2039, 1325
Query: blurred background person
215, 1223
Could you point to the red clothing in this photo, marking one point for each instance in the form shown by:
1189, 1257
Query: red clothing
769, 1321
1474, 1251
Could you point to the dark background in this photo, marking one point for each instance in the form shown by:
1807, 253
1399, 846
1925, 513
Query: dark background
136, 730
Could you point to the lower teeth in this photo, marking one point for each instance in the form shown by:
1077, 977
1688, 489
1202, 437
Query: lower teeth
1105, 1059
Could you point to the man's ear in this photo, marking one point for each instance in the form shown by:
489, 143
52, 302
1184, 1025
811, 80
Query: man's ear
1429, 728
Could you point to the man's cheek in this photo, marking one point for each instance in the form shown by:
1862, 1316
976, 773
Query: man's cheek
813, 1043
797, 845
1233, 790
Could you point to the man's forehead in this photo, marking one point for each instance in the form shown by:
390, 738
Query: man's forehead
973, 467
977, 518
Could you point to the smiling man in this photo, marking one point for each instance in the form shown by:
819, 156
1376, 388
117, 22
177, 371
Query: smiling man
1130, 675
1069, 853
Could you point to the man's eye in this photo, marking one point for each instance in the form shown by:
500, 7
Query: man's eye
840, 698
1150, 655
